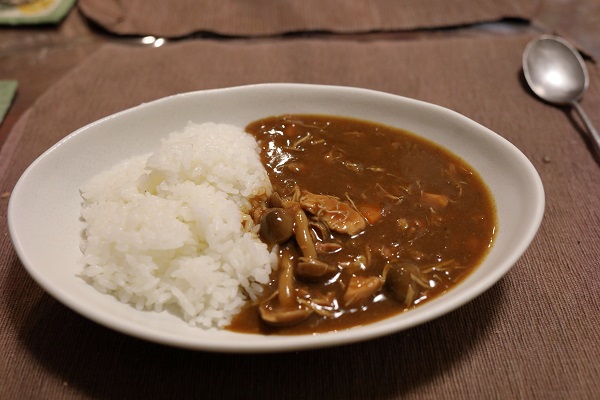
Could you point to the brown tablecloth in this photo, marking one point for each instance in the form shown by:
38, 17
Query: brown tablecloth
534, 335
268, 17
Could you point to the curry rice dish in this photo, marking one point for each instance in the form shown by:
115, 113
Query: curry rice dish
301, 224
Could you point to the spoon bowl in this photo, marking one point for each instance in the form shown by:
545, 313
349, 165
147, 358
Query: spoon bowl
556, 72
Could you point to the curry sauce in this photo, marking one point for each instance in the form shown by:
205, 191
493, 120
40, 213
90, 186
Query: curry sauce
374, 221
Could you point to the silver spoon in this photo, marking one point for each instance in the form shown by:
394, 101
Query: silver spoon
556, 73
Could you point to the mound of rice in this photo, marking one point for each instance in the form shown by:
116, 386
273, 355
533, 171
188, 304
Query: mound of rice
171, 231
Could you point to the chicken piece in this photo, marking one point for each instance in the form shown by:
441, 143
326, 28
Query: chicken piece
434, 200
361, 288
337, 215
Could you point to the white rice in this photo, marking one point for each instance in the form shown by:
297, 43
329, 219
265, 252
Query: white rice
171, 231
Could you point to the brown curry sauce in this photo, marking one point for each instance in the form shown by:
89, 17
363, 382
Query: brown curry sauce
425, 211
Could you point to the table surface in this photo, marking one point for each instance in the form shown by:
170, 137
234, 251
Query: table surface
39, 57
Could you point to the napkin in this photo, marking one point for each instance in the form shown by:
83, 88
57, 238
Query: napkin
532, 335
272, 17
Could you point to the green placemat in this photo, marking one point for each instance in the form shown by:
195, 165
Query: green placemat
37, 12
7, 92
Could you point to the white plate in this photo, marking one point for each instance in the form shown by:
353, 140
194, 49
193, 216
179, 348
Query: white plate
44, 208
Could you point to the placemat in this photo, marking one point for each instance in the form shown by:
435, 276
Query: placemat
577, 20
534, 335
271, 17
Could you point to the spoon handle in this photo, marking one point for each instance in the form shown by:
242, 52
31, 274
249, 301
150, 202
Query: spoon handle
594, 136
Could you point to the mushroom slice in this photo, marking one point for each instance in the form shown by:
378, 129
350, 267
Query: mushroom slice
361, 288
303, 235
272, 313
282, 307
320, 230
276, 226
285, 285
324, 305
405, 281
338, 216
276, 200
311, 269
327, 247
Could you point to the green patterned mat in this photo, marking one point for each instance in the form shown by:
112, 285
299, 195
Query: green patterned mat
36, 12
7, 92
